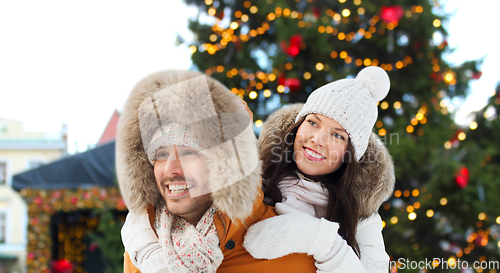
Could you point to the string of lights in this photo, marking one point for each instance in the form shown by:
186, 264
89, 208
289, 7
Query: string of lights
227, 35
43, 204
479, 238
332, 23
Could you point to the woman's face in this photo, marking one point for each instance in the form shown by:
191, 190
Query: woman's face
320, 145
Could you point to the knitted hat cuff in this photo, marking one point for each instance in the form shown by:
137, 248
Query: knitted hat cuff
172, 134
351, 103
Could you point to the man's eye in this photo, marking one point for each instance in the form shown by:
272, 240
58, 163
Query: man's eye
161, 156
189, 152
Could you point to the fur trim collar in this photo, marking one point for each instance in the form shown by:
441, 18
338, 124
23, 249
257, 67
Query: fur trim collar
235, 183
374, 185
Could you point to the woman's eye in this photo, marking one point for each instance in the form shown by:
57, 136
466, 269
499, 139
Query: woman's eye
339, 136
312, 122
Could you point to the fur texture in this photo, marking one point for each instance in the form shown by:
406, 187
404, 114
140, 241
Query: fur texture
375, 183
235, 184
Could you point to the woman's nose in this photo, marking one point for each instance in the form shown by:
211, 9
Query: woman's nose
316, 139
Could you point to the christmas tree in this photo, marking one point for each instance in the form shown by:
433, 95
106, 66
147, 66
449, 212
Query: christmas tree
107, 237
275, 52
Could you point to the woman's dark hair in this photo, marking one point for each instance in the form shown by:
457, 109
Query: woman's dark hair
342, 205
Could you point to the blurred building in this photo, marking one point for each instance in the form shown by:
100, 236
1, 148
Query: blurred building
66, 200
109, 133
20, 151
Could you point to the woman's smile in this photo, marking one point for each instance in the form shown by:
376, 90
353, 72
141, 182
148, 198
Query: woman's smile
313, 155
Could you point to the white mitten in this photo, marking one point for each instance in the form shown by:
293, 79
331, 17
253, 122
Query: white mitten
292, 232
138, 236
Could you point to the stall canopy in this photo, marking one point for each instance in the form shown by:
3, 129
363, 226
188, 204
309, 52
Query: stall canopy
93, 168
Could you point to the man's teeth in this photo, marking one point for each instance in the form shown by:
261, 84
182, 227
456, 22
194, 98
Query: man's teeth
313, 154
176, 189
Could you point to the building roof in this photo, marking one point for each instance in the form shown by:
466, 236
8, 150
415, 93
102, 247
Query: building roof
32, 144
14, 137
92, 168
109, 133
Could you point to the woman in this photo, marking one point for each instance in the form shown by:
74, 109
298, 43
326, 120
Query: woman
315, 167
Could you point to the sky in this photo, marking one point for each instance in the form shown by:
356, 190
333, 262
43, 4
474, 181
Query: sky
75, 62
471, 37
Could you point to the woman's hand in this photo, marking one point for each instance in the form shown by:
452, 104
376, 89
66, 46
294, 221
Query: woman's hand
291, 232
137, 235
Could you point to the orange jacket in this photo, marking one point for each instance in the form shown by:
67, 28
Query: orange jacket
237, 259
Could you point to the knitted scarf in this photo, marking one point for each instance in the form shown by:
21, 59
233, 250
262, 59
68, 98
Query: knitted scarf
305, 195
188, 248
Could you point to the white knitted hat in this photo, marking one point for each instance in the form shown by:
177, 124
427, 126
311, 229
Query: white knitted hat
352, 103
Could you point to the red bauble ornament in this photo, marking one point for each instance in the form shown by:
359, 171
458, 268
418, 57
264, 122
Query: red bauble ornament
436, 77
220, 15
293, 48
462, 177
477, 76
316, 13
439, 78
62, 266
281, 80
296, 40
293, 84
391, 14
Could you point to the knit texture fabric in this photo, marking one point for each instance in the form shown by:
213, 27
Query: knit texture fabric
310, 197
187, 248
292, 231
172, 134
304, 195
352, 103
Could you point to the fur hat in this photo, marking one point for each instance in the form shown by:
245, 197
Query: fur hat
352, 103
215, 117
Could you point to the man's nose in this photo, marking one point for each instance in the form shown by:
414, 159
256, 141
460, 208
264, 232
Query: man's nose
173, 164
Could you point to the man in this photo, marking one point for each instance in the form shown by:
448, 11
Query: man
186, 151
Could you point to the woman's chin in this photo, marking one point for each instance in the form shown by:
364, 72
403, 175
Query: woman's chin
308, 170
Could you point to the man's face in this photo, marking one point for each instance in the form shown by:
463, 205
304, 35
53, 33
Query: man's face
181, 172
